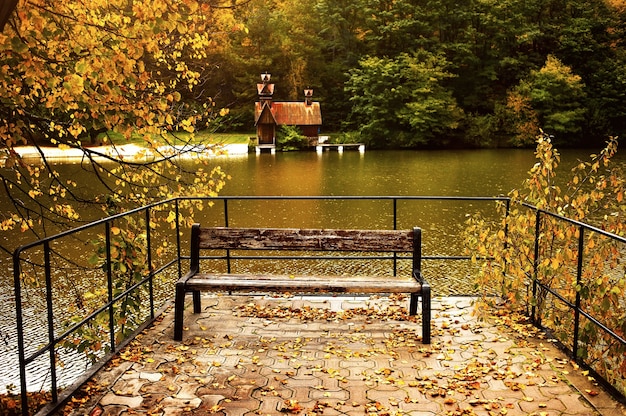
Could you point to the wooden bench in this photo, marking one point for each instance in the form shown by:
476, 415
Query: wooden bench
312, 240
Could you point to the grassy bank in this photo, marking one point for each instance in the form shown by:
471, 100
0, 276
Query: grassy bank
205, 137
208, 137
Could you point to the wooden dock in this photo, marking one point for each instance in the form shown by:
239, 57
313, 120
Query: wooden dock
340, 147
265, 148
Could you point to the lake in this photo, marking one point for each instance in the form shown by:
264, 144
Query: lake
464, 172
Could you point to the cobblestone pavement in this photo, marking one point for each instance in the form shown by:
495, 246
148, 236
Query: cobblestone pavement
340, 356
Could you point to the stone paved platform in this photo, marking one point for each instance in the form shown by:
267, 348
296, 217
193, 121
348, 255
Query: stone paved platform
340, 356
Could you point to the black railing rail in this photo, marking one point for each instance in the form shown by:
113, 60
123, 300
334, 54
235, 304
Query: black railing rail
174, 266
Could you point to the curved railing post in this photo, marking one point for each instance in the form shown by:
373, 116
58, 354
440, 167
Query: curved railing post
17, 288
50, 316
535, 266
178, 252
579, 271
395, 227
107, 236
149, 260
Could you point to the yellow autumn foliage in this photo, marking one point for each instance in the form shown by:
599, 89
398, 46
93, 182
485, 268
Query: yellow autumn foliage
541, 255
70, 71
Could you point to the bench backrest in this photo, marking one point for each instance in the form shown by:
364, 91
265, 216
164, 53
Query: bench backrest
230, 238
305, 239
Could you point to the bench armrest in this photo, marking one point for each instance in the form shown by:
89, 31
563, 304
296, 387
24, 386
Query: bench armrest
194, 251
183, 280
426, 305
417, 275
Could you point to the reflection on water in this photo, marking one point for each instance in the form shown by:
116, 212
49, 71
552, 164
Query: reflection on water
489, 172
469, 173
374, 173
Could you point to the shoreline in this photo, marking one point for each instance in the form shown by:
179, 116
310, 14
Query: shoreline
128, 152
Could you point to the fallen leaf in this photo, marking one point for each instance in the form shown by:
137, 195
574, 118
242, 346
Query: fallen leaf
291, 406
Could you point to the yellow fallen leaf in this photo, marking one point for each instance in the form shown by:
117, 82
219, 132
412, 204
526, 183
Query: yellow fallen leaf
215, 408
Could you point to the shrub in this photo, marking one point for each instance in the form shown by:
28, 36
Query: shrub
510, 261
290, 138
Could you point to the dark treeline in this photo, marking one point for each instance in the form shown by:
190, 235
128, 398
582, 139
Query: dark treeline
406, 73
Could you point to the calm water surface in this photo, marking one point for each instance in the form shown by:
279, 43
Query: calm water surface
467, 173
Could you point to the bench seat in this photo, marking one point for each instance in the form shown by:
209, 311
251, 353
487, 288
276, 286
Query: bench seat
301, 283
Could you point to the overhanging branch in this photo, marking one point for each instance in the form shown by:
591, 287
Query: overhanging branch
6, 9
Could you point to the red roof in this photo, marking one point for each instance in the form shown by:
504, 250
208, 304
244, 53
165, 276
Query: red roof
265, 89
291, 113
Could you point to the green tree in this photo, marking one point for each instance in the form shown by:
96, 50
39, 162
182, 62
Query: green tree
340, 30
279, 37
606, 92
402, 101
491, 47
555, 98
592, 43
290, 138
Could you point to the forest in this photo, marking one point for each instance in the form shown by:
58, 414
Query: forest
444, 73
390, 73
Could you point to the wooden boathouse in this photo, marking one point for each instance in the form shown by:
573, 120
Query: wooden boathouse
270, 114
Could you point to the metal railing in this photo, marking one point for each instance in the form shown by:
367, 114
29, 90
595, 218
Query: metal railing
616, 346
56, 337
391, 212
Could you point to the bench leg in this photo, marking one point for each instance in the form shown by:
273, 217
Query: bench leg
197, 307
179, 309
426, 314
415, 297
